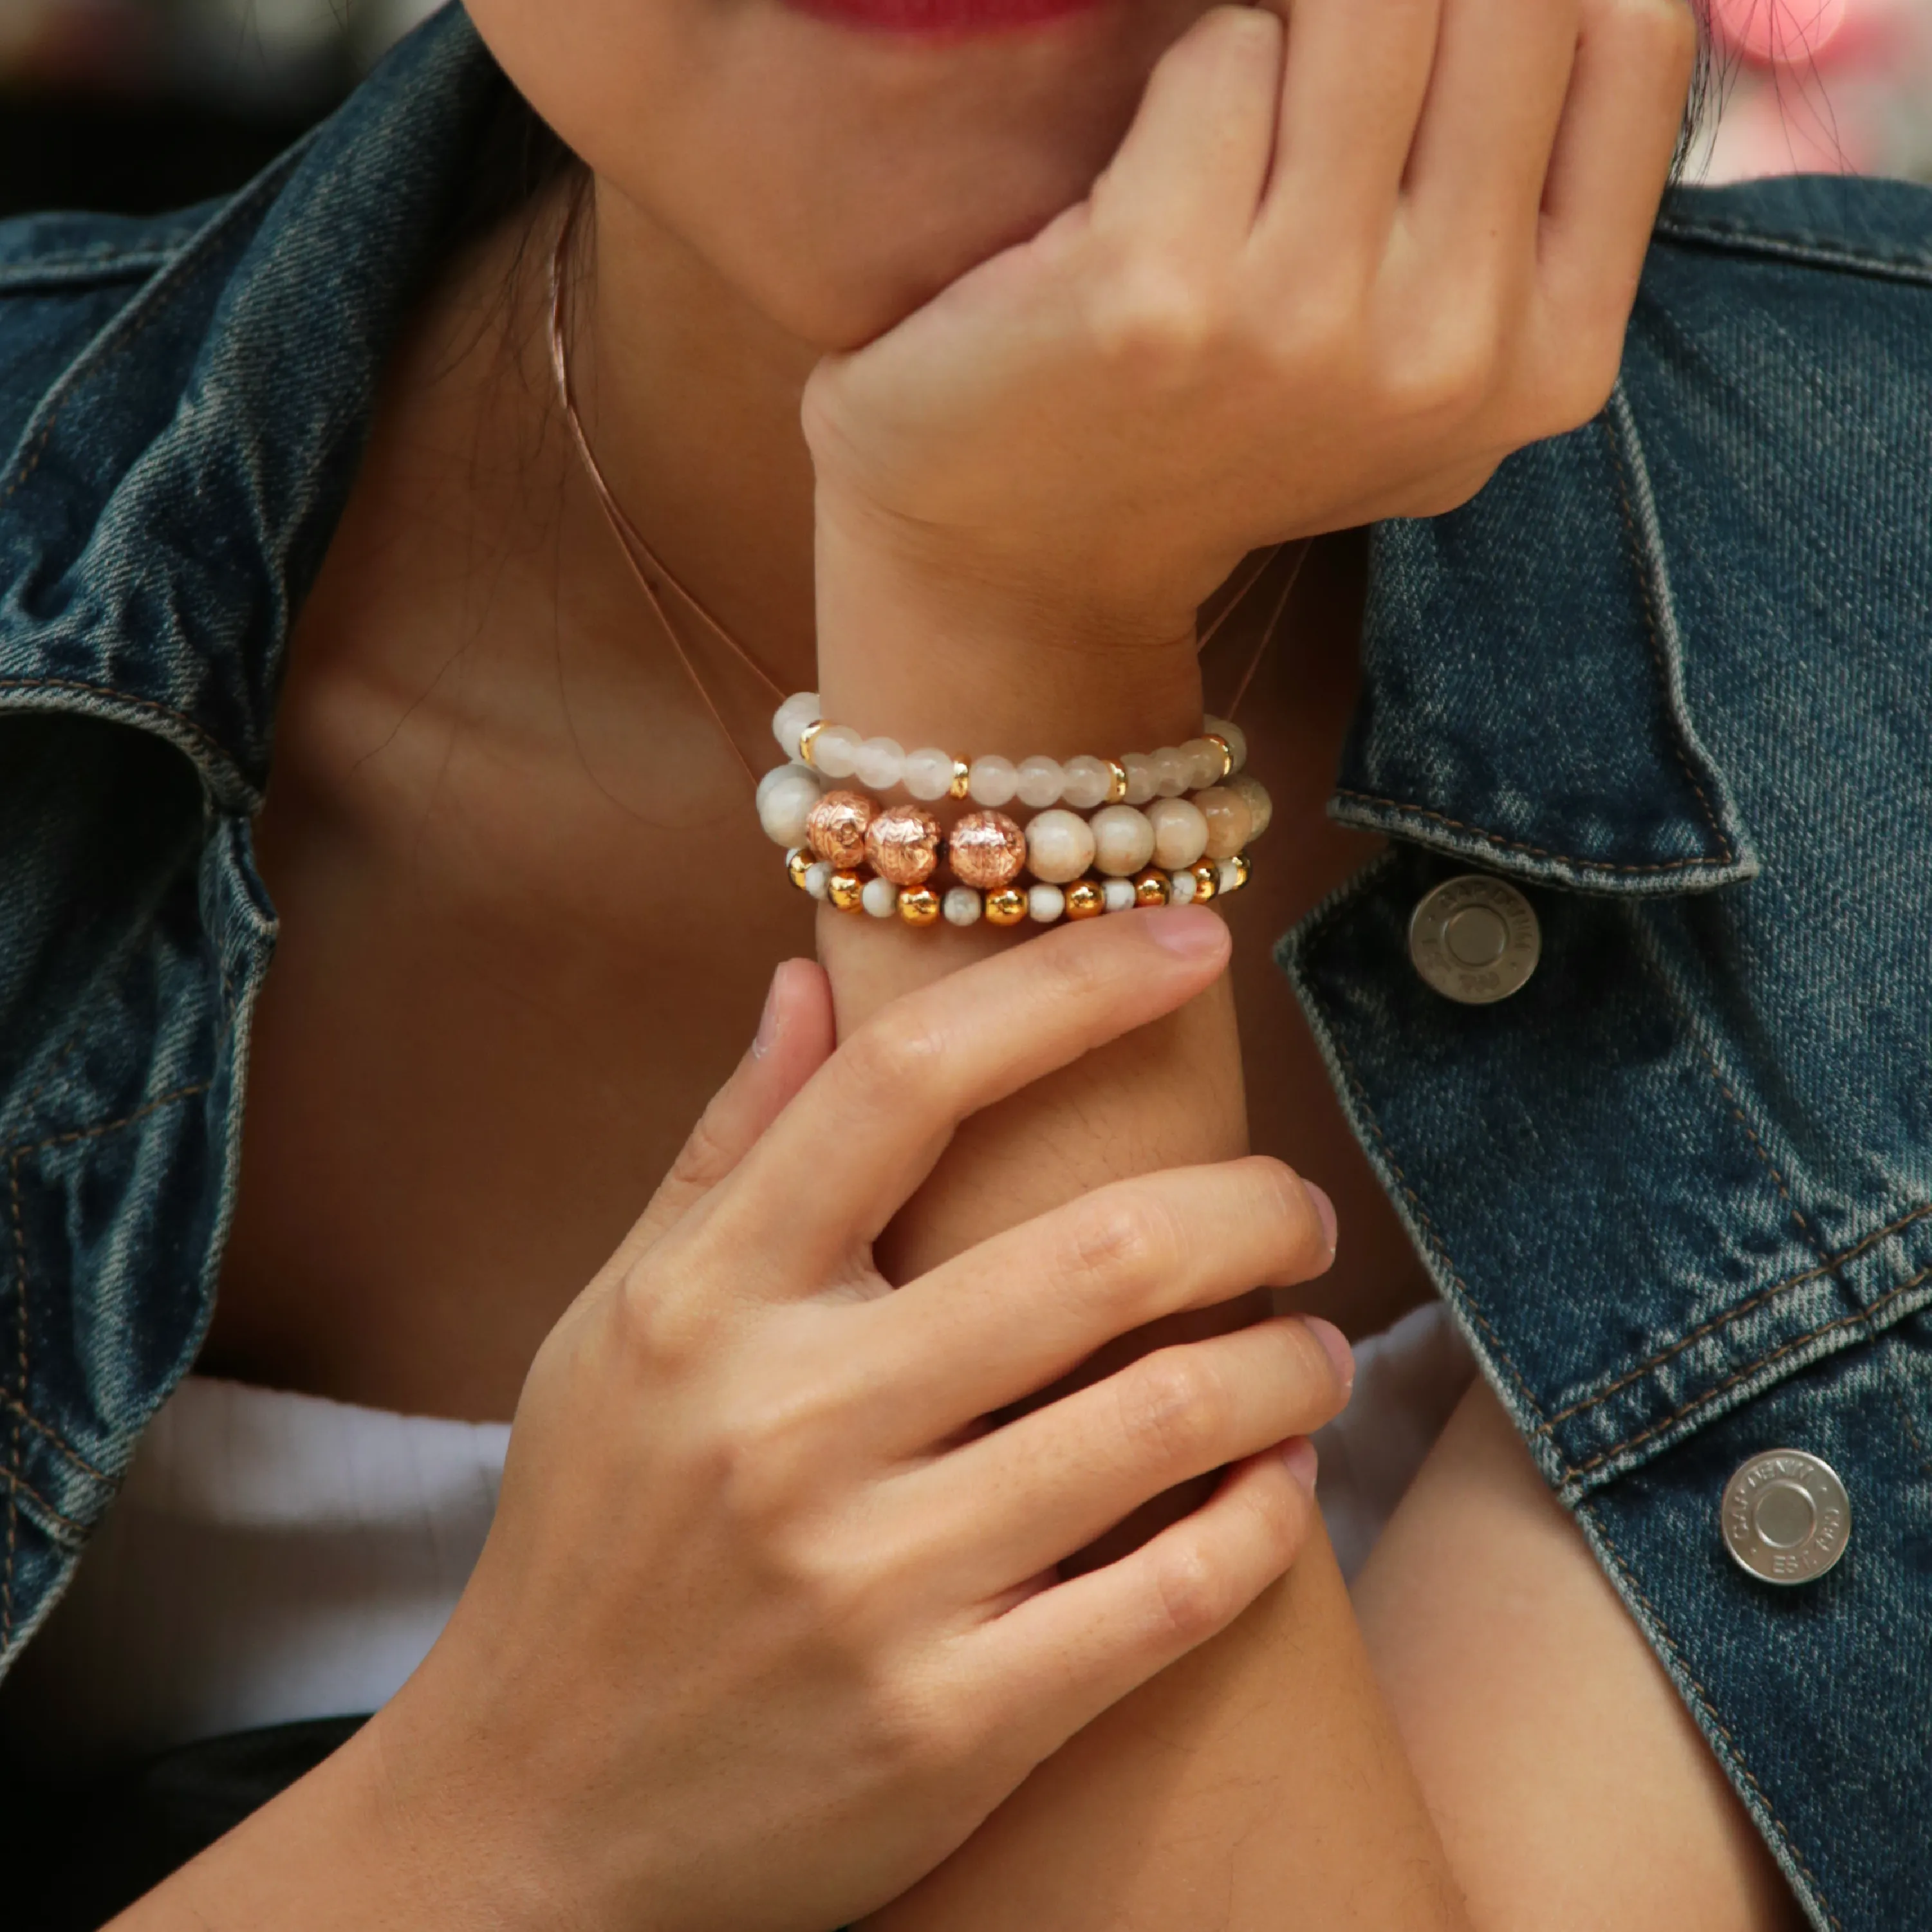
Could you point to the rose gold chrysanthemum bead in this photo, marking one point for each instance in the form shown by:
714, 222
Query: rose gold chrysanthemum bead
903, 844
987, 850
834, 828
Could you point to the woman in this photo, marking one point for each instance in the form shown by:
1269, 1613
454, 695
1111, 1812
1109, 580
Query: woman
768, 1632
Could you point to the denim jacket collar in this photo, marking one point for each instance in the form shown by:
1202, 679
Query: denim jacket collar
171, 499
1524, 701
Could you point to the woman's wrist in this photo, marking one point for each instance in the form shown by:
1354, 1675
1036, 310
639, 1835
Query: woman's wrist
932, 649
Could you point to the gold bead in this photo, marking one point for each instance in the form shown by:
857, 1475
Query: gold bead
1117, 780
1087, 899
1227, 752
918, 905
800, 862
808, 738
844, 888
1240, 862
961, 786
1150, 887
1207, 878
1006, 907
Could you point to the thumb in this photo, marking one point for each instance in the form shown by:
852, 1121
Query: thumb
795, 1038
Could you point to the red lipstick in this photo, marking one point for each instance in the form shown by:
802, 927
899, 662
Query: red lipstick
942, 16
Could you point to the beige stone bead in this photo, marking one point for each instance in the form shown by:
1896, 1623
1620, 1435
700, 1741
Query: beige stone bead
1230, 824
1122, 839
1180, 832
1261, 807
1060, 846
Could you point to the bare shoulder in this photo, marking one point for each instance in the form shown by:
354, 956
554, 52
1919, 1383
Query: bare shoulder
1569, 1784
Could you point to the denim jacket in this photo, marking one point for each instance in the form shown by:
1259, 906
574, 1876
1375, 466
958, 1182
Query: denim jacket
1668, 677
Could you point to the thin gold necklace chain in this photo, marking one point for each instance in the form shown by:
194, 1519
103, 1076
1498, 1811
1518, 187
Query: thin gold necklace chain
631, 540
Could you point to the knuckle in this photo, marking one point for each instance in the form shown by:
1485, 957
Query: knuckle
1173, 1409
895, 1050
1122, 1244
1193, 1596
1663, 34
1151, 321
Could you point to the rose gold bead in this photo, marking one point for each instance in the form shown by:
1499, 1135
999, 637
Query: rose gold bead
1150, 887
987, 850
1007, 906
918, 905
1086, 900
797, 864
1207, 878
961, 786
1116, 781
844, 890
834, 828
1240, 862
903, 844
808, 738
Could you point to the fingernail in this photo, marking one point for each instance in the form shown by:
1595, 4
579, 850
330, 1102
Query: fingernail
1336, 1344
1191, 931
1324, 1212
766, 1037
1301, 1459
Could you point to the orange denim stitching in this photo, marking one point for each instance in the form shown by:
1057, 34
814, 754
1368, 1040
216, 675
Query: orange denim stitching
1751, 1368
1830, 1262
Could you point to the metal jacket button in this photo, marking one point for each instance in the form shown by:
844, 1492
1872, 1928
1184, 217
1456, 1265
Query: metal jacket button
1786, 1516
1475, 939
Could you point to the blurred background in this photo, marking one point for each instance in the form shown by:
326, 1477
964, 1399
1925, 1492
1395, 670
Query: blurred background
139, 105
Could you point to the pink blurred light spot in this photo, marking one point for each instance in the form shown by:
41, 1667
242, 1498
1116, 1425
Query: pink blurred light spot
1778, 33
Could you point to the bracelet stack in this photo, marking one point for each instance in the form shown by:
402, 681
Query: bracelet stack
1147, 842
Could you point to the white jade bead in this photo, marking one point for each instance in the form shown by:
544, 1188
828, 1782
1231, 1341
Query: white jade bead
1203, 763
879, 763
818, 878
1231, 876
1084, 781
1122, 839
1040, 780
961, 906
799, 710
1121, 895
1180, 832
1139, 768
992, 780
928, 773
1045, 903
880, 897
1181, 888
1237, 739
1254, 794
786, 794
1060, 846
835, 751
1170, 772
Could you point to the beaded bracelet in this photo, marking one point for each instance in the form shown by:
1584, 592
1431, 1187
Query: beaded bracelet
988, 850
852, 889
838, 751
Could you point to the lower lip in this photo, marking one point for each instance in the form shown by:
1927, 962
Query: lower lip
936, 17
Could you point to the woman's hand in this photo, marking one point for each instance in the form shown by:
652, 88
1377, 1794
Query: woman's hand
1335, 272
769, 1620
